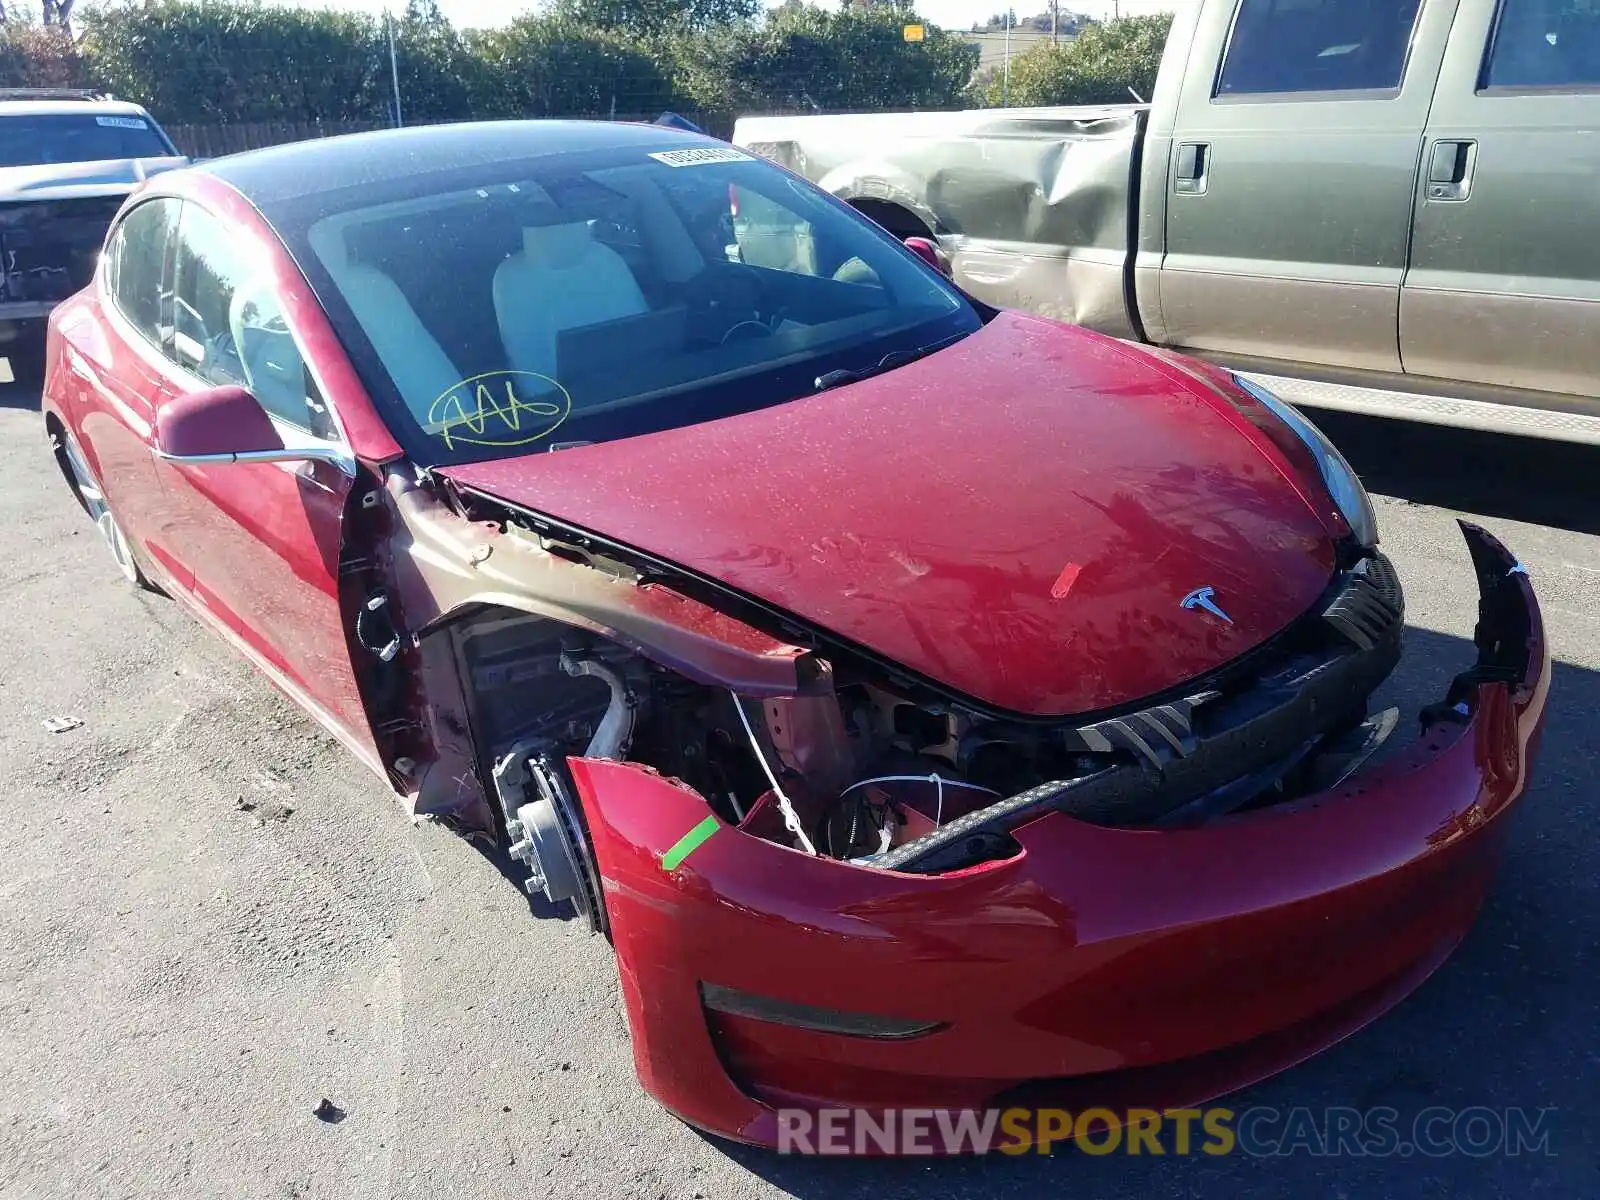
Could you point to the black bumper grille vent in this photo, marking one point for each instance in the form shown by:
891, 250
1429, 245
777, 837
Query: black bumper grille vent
1369, 605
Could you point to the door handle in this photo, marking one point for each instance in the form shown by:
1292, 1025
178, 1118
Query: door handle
1191, 168
1450, 170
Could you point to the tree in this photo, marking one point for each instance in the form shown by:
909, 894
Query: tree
552, 66
35, 56
206, 63
58, 12
440, 76
655, 18
1099, 66
220, 62
809, 60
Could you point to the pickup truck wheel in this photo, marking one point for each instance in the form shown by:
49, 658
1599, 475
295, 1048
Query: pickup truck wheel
99, 509
901, 222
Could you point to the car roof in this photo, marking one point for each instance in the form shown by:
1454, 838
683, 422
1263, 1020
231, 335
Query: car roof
68, 108
279, 173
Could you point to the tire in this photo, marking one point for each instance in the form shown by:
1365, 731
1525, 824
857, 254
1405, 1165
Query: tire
98, 506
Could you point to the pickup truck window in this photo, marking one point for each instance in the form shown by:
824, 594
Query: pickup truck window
1544, 45
30, 141
1286, 46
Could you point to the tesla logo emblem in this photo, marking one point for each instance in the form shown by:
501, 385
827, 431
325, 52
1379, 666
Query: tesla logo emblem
1204, 600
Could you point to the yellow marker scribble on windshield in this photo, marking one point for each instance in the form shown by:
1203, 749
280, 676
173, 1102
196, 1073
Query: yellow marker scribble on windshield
489, 410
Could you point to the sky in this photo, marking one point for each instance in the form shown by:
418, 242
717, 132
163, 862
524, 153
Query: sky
953, 14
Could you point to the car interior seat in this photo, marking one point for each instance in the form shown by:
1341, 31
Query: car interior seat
272, 364
420, 368
560, 279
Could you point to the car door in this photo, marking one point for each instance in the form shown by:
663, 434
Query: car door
262, 541
1292, 172
112, 379
1504, 285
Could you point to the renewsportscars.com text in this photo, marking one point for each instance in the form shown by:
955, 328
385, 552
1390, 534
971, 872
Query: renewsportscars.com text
1261, 1132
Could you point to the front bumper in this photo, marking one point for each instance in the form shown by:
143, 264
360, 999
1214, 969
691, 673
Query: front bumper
1109, 967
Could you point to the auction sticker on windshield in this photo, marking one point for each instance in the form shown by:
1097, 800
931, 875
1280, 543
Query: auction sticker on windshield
499, 408
699, 157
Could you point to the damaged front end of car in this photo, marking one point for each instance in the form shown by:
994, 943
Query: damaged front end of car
831, 882
561, 647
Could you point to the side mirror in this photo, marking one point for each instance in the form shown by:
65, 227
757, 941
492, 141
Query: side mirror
228, 425
928, 251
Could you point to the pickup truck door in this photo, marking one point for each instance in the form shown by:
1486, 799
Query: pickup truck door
1504, 284
1293, 169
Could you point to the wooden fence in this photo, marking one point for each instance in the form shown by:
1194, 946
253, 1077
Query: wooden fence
213, 141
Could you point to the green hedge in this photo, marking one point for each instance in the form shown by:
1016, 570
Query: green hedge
216, 63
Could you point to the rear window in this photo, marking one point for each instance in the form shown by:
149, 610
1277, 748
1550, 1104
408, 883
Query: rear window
1286, 46
31, 140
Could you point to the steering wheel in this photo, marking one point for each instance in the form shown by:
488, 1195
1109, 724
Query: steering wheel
754, 328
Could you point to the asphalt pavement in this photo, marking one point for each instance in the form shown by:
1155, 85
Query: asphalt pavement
231, 965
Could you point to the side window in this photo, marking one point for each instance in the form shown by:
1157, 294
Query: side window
138, 272
229, 327
1545, 44
1286, 46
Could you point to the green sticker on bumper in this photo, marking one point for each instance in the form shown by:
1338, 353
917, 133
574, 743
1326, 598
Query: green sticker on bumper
689, 843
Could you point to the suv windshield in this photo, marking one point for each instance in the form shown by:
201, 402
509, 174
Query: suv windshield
33, 140
584, 297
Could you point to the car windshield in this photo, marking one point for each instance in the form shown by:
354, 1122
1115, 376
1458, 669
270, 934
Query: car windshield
575, 298
36, 140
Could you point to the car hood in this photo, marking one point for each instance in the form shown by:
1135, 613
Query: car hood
1019, 518
65, 181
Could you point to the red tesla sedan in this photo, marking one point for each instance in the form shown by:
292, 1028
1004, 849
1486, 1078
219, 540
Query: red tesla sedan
936, 706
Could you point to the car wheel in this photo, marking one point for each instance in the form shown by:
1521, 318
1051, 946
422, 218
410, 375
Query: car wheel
99, 509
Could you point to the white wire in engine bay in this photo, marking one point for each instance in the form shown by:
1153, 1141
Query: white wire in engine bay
790, 818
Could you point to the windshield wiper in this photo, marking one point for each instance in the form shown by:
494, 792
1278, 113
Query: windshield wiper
891, 360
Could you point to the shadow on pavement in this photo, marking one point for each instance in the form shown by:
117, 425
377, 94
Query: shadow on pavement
1508, 1022
1521, 479
19, 395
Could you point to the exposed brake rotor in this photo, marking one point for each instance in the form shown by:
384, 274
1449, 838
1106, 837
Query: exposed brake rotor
548, 835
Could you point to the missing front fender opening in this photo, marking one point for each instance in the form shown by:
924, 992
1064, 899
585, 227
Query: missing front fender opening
548, 834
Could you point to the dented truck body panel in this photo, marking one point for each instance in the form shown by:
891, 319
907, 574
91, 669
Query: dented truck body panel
1032, 205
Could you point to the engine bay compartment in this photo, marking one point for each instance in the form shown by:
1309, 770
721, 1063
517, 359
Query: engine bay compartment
851, 768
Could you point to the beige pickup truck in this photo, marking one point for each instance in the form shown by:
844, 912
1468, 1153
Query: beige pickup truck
1384, 206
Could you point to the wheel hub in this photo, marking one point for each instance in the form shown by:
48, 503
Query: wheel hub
547, 836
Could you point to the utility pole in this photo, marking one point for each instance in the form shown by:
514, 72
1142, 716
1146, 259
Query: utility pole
1005, 79
394, 68
1055, 19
